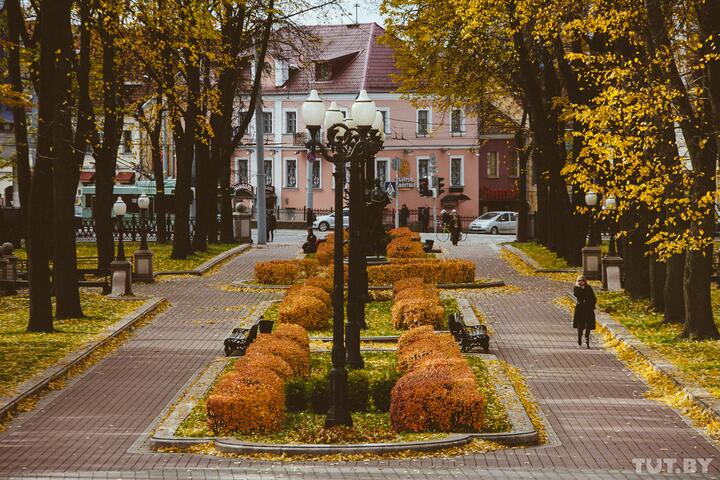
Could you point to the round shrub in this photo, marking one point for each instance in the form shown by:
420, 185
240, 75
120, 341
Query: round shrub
308, 312
310, 291
436, 400
413, 335
296, 356
278, 272
358, 391
404, 247
268, 361
380, 390
319, 394
324, 283
442, 346
404, 283
293, 332
421, 292
403, 232
295, 395
415, 312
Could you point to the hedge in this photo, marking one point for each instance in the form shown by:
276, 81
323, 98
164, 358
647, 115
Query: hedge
442, 271
326, 250
292, 332
296, 356
417, 304
308, 312
285, 272
404, 232
269, 361
404, 247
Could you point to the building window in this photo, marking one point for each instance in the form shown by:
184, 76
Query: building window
267, 122
456, 171
241, 170
290, 122
493, 170
323, 71
291, 173
423, 122
386, 119
127, 141
514, 167
423, 167
268, 172
381, 171
317, 173
456, 121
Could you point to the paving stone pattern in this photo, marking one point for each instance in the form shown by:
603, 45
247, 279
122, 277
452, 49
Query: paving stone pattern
598, 419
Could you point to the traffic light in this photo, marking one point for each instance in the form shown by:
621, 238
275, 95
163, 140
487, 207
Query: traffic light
424, 188
440, 185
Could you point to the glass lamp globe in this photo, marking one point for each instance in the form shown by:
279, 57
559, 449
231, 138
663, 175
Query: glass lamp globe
363, 110
610, 203
333, 116
378, 123
313, 110
350, 122
591, 198
143, 201
119, 208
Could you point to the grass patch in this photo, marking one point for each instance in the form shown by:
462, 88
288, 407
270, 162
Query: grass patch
542, 255
369, 426
161, 259
24, 354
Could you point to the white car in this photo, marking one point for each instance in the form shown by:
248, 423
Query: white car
327, 222
494, 223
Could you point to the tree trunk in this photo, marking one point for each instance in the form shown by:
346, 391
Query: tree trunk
523, 232
41, 319
636, 264
658, 271
674, 311
203, 206
159, 174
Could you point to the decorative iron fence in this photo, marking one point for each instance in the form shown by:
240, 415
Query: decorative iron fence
85, 228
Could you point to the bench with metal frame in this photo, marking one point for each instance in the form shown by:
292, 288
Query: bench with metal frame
468, 336
241, 337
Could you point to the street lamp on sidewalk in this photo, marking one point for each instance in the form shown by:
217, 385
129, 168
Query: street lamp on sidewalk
143, 256
592, 253
120, 268
612, 264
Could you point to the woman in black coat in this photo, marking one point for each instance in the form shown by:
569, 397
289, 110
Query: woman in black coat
584, 317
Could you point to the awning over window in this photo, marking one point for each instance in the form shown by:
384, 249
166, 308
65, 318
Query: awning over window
87, 177
125, 177
454, 199
490, 195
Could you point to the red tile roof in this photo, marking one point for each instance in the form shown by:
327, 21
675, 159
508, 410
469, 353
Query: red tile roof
125, 177
363, 62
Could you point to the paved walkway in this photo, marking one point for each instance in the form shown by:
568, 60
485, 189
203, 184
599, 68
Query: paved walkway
598, 419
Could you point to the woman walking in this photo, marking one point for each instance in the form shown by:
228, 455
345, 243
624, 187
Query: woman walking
455, 228
584, 317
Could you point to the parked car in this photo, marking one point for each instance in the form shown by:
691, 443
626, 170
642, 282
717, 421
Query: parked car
494, 223
326, 222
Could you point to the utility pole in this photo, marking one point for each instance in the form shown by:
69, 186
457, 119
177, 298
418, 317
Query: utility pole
260, 156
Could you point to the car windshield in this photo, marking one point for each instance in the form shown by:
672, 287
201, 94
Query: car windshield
488, 215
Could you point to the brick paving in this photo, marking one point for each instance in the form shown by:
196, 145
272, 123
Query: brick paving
598, 419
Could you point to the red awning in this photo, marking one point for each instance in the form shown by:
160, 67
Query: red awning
125, 177
87, 177
492, 195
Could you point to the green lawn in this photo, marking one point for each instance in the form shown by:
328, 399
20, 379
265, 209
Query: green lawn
161, 260
542, 255
24, 354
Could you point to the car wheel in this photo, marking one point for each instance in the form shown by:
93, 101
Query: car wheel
323, 226
494, 231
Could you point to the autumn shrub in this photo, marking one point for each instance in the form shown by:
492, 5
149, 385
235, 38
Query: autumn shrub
413, 335
326, 250
436, 399
318, 394
422, 291
403, 232
268, 361
415, 312
248, 400
358, 391
438, 271
404, 283
380, 390
439, 345
404, 247
321, 282
295, 395
296, 356
308, 312
306, 290
278, 272
293, 332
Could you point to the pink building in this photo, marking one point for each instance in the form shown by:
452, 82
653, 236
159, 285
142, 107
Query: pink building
480, 168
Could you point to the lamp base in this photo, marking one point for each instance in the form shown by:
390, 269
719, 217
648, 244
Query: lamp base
120, 278
143, 260
612, 273
338, 413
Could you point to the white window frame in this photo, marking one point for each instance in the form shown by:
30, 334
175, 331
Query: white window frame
417, 121
387, 117
272, 122
497, 163
317, 160
462, 122
387, 168
417, 171
287, 160
285, 123
462, 170
272, 171
237, 161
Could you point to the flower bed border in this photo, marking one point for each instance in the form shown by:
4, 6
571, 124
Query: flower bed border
532, 263
522, 433
206, 266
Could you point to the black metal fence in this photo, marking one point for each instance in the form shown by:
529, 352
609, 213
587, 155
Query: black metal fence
85, 228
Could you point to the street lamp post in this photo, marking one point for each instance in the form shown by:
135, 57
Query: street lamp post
591, 254
143, 256
120, 268
612, 264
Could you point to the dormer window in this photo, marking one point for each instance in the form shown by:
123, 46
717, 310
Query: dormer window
323, 71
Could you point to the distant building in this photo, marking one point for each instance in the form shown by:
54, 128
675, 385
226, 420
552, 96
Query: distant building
7, 154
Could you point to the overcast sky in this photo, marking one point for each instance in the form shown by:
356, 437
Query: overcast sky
344, 12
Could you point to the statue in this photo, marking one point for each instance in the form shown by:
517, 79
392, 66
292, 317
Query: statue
374, 208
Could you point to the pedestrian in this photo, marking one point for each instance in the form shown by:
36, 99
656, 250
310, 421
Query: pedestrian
584, 316
455, 227
404, 215
444, 219
271, 225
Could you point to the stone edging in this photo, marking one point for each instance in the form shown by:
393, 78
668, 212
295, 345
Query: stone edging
522, 433
532, 263
207, 265
446, 286
40, 382
701, 397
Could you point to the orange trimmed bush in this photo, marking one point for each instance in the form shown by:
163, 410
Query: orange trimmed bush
420, 292
306, 290
321, 282
278, 272
308, 312
404, 283
415, 312
404, 247
403, 232
413, 335
268, 361
436, 399
439, 345
293, 332
295, 355
437, 271
326, 250
248, 400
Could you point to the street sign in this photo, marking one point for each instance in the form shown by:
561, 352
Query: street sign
390, 188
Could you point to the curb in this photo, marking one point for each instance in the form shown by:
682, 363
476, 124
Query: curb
532, 263
446, 286
701, 397
40, 382
209, 264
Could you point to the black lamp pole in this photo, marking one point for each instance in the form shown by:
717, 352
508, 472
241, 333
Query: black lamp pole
121, 233
143, 229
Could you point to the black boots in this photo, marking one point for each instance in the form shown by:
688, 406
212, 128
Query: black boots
587, 341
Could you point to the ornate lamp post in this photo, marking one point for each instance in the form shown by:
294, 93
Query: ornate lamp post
612, 263
120, 268
348, 140
143, 256
592, 253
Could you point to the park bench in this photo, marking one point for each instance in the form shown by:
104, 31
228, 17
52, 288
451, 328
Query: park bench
468, 335
241, 337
